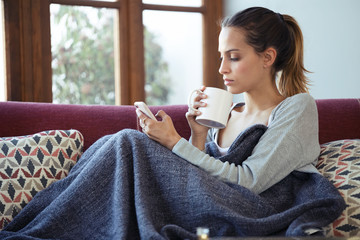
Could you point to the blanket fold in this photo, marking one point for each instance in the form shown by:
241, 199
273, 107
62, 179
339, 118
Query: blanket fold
127, 186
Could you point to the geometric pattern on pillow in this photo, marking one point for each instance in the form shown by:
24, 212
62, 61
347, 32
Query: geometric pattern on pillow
339, 162
28, 164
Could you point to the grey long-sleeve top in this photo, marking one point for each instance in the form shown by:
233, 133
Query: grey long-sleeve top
290, 143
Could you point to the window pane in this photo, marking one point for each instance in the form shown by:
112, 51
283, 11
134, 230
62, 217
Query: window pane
2, 53
173, 55
82, 40
187, 3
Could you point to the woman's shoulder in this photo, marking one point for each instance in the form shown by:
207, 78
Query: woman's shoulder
299, 101
303, 98
301, 105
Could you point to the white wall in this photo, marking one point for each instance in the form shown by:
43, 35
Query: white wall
331, 30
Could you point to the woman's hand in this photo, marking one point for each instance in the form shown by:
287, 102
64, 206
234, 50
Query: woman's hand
198, 131
162, 131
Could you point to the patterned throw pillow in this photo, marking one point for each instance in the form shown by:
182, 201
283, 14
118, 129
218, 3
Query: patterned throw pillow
340, 162
31, 163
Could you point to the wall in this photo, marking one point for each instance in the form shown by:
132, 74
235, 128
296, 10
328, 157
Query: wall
331, 41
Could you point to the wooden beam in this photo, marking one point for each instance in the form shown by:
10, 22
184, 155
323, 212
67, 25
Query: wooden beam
211, 30
14, 76
41, 51
28, 53
136, 52
122, 86
173, 8
98, 4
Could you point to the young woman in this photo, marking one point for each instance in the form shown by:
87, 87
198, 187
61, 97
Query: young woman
255, 45
256, 177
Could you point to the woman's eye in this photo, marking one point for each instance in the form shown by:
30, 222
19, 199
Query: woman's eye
233, 59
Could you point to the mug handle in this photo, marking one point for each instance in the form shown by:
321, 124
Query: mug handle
190, 105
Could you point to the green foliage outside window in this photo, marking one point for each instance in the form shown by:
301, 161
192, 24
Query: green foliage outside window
83, 58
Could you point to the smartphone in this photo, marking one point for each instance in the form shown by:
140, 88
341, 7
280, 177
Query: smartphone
145, 109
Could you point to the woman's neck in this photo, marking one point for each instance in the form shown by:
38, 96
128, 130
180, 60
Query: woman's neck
262, 100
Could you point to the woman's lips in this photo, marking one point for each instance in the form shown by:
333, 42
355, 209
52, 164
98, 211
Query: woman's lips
228, 81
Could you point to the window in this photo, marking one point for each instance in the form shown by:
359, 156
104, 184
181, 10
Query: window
177, 69
36, 71
82, 46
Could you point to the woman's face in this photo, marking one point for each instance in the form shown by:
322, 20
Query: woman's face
242, 68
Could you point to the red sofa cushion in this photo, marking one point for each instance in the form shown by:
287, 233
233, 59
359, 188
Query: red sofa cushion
93, 121
338, 119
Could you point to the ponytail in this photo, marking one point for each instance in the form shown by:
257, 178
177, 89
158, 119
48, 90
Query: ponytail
293, 79
263, 29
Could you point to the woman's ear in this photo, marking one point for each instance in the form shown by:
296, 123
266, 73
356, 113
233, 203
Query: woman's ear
269, 57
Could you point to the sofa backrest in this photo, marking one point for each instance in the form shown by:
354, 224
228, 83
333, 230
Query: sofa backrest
93, 121
338, 119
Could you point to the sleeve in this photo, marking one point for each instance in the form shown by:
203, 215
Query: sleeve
290, 143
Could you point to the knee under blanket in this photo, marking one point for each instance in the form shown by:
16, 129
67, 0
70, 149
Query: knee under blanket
127, 186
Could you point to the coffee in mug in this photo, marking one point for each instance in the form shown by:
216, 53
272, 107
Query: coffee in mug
216, 113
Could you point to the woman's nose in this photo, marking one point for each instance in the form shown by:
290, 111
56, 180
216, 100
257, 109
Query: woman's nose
223, 67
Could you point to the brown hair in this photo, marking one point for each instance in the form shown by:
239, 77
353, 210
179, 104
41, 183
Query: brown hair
265, 28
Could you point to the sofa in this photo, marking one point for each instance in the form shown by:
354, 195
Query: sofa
24, 123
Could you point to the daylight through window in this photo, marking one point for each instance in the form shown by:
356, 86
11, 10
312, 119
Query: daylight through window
173, 55
82, 40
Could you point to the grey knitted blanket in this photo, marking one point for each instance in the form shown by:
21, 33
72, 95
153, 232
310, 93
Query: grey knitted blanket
127, 186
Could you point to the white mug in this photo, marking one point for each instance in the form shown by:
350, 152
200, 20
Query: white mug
218, 105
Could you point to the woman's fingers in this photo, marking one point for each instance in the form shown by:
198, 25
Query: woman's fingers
197, 102
143, 120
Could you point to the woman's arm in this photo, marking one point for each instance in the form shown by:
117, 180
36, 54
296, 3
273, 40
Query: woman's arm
290, 143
